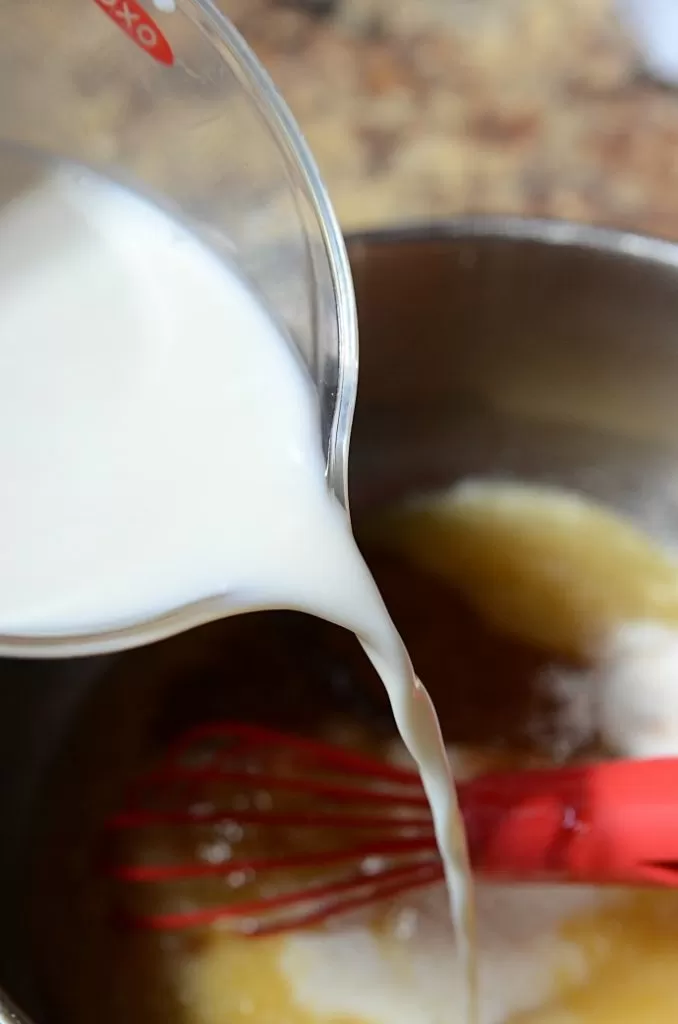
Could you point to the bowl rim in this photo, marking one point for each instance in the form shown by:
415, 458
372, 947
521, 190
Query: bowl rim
551, 232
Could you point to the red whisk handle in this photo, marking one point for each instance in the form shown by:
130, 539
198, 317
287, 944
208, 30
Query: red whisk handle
609, 823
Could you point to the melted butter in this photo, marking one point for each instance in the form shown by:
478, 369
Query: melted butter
239, 982
211, 977
616, 966
542, 564
630, 954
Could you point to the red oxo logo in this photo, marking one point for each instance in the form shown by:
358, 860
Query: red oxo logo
139, 26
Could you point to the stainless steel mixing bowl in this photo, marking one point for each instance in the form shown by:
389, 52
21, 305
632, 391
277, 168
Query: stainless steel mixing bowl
539, 351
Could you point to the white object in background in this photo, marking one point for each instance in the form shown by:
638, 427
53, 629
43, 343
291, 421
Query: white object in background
636, 692
654, 27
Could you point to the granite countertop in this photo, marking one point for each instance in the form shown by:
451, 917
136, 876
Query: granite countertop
414, 109
426, 108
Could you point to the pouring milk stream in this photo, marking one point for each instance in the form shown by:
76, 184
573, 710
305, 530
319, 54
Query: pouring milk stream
159, 445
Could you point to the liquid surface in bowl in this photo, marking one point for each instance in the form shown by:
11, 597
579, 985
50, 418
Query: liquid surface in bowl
548, 955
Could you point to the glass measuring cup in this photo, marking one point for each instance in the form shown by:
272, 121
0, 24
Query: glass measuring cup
170, 100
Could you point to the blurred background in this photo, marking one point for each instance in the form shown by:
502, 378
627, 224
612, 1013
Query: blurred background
414, 109
426, 108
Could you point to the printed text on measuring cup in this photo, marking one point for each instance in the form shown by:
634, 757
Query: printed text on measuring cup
136, 23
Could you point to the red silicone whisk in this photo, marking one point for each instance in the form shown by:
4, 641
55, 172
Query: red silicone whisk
363, 831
